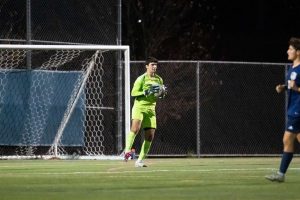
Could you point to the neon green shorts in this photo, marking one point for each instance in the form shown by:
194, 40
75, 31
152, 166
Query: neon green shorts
147, 116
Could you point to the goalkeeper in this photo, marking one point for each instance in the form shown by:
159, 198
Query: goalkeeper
146, 90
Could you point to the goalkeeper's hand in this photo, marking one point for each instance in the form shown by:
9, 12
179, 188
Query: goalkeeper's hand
153, 89
163, 92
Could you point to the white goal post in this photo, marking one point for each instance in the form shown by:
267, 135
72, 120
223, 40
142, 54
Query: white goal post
53, 104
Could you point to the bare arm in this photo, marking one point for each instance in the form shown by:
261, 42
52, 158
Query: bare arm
280, 88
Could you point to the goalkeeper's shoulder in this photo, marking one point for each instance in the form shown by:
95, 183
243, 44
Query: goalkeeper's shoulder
158, 76
141, 78
160, 79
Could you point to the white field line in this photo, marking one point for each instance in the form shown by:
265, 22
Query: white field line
139, 170
53, 164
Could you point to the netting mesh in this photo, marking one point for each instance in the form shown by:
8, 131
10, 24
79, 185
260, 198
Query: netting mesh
94, 134
56, 106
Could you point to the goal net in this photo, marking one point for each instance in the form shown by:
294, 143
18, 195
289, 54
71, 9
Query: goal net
60, 101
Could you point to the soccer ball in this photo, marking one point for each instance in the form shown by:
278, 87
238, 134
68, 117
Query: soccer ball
161, 92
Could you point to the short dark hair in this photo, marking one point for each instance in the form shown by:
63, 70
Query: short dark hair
295, 42
151, 60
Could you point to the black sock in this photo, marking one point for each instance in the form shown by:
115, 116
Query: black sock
285, 161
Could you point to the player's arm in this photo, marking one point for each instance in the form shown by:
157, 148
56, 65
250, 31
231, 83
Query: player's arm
293, 86
280, 88
139, 89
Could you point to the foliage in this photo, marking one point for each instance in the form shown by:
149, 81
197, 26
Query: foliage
170, 29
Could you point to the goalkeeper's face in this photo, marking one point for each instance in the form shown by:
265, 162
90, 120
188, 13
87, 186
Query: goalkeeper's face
151, 67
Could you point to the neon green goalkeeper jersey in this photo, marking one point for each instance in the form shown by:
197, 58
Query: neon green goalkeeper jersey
141, 84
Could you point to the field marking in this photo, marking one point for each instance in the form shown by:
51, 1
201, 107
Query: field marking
141, 171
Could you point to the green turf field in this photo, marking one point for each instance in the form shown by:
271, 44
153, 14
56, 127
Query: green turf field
204, 178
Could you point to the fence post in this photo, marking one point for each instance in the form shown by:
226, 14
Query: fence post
198, 107
28, 32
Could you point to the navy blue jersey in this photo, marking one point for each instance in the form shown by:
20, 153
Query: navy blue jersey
293, 107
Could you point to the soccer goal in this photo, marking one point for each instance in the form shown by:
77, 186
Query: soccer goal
61, 101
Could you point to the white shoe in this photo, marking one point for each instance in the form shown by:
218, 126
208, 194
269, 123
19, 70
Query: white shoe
140, 163
277, 177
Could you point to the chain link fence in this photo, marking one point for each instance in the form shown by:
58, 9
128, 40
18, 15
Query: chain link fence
59, 21
218, 108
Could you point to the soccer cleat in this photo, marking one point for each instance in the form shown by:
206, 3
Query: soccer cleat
127, 156
276, 177
140, 163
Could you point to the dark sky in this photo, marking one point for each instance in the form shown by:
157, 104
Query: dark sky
257, 30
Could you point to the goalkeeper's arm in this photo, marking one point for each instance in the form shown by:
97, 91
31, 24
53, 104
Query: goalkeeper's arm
137, 89
153, 89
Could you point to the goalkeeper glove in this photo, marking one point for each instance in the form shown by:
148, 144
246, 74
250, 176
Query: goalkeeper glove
153, 89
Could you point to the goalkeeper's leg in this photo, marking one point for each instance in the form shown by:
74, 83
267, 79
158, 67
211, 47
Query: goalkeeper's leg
149, 135
129, 141
135, 127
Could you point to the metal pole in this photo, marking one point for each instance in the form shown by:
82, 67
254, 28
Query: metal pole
28, 32
119, 136
198, 108
286, 68
119, 23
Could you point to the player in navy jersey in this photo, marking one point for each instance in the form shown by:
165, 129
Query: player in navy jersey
292, 131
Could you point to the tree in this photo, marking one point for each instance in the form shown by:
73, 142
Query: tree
170, 29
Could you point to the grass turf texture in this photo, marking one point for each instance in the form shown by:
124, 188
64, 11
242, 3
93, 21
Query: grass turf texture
204, 178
